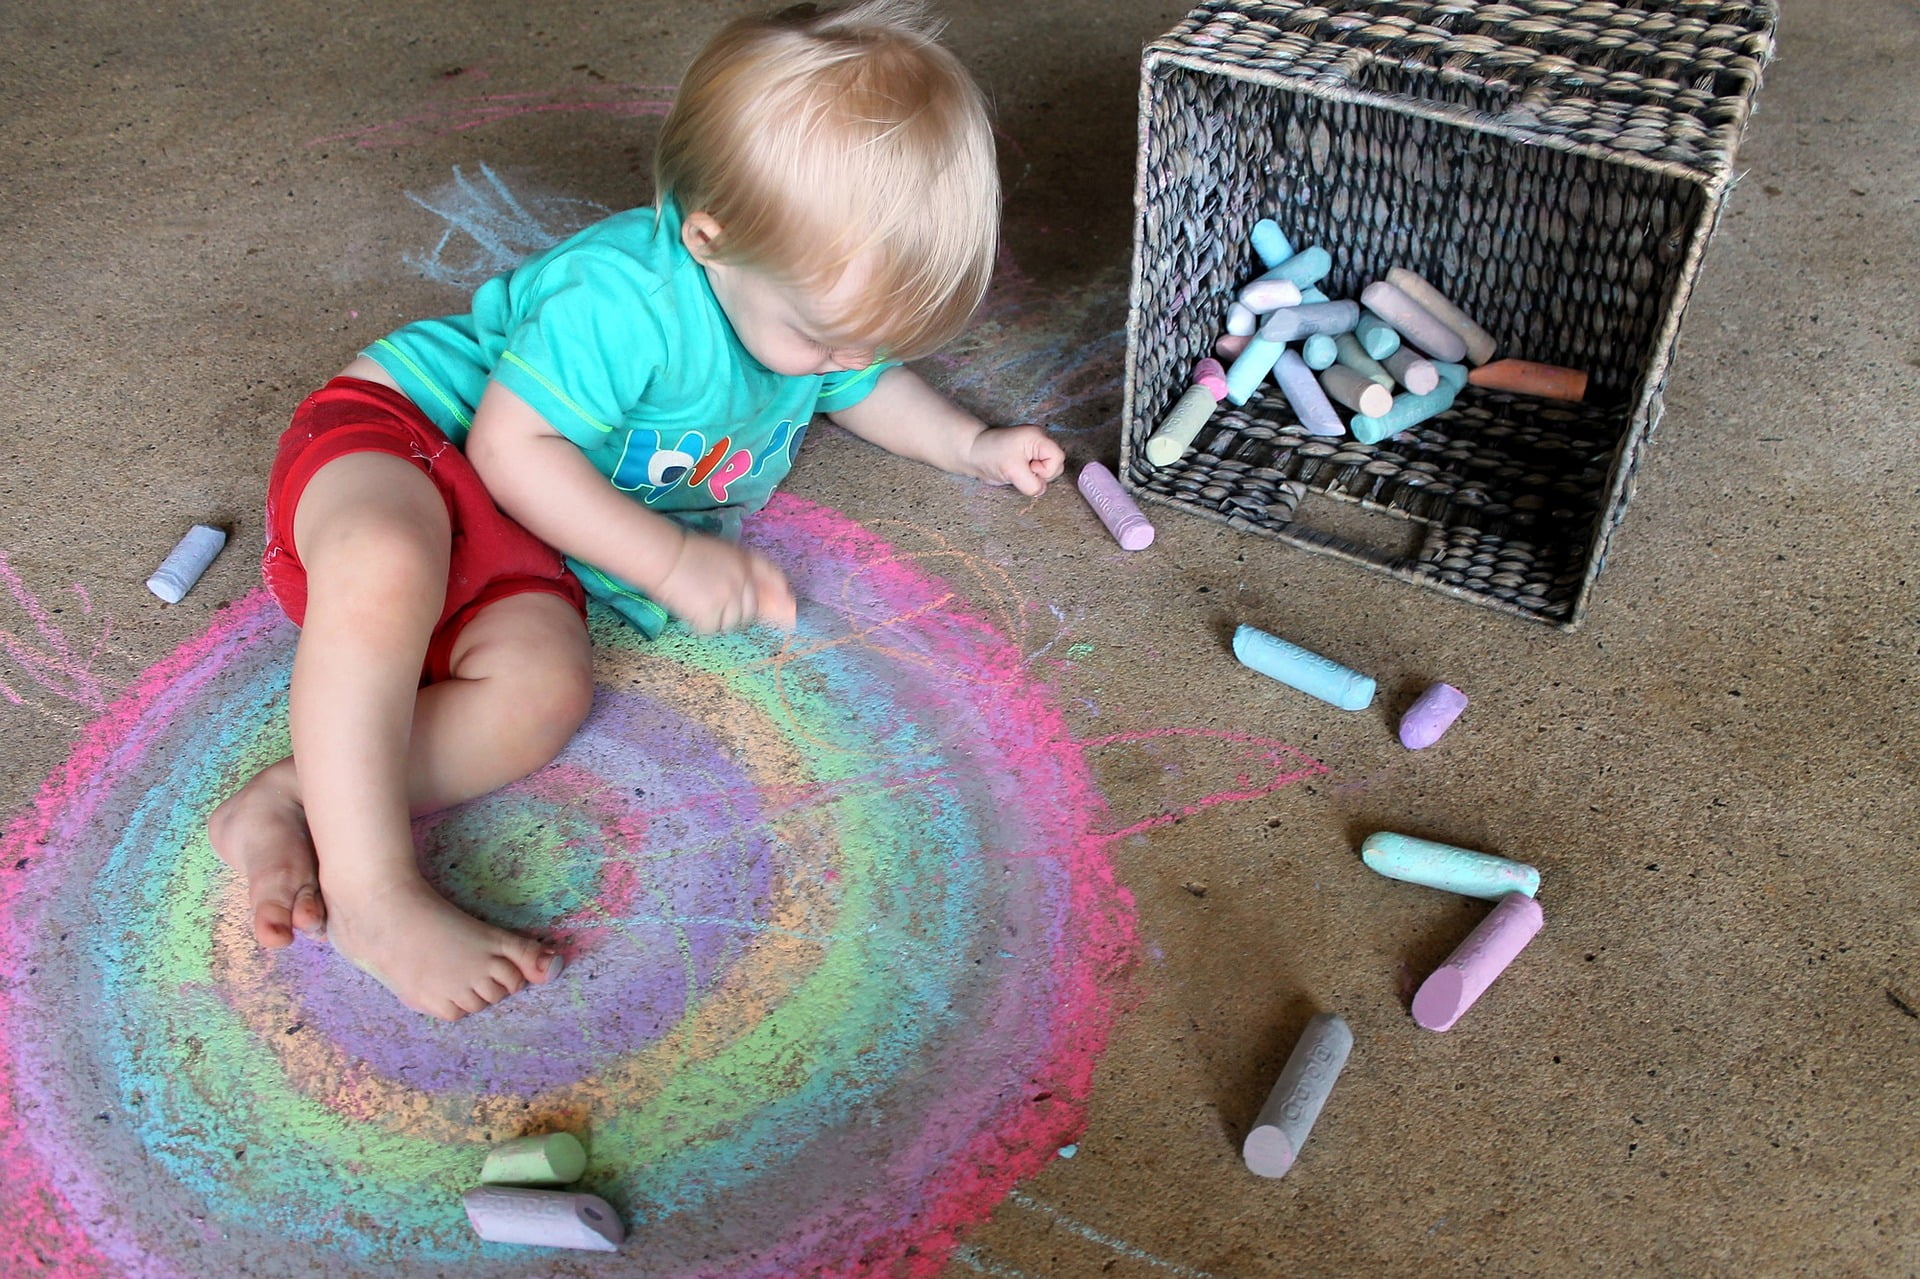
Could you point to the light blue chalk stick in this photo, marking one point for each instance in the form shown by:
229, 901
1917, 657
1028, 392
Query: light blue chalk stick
1306, 268
1250, 368
1411, 410
1377, 338
1307, 396
1450, 869
1319, 352
1270, 243
1292, 322
1300, 668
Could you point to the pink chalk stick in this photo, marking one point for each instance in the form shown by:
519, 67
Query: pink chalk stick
1115, 509
1413, 322
1229, 347
1431, 715
1452, 988
1209, 374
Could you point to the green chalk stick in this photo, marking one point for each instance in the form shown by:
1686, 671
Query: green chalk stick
555, 1159
1450, 869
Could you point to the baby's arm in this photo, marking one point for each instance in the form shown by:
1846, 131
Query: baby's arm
903, 415
540, 478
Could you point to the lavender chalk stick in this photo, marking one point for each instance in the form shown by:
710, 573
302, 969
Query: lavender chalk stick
1480, 344
1431, 715
1449, 869
1415, 323
1115, 509
1306, 396
1284, 1121
186, 562
1291, 322
553, 1159
1471, 968
1413, 370
549, 1218
1303, 669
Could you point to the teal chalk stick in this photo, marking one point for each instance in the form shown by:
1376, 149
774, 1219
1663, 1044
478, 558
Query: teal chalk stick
1306, 268
1377, 338
1411, 410
1302, 669
1270, 243
1251, 366
1319, 351
1450, 869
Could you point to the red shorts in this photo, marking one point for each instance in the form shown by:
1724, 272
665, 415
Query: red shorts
492, 557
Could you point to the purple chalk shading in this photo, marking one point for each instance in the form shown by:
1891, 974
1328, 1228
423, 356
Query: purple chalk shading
1431, 716
1471, 968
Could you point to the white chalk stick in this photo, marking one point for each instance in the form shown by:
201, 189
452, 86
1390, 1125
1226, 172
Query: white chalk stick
547, 1218
186, 562
1281, 1129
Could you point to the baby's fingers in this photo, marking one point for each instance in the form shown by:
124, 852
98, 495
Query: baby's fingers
773, 601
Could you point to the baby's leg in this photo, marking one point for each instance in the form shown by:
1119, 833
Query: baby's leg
373, 535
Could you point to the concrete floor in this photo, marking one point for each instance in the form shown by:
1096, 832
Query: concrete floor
1707, 1064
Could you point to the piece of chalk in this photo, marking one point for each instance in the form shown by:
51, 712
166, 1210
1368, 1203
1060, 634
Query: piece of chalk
1415, 323
1411, 369
553, 1159
1479, 342
1411, 410
1525, 377
1431, 715
1241, 320
1250, 368
548, 1218
1453, 987
1303, 669
1115, 509
1378, 338
1281, 1128
1292, 322
1361, 394
1348, 351
1229, 345
1449, 869
1265, 295
1319, 351
1270, 243
1209, 374
1304, 269
186, 562
1188, 417
1306, 396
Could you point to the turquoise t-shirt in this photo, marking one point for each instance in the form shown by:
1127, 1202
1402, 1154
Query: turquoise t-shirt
615, 338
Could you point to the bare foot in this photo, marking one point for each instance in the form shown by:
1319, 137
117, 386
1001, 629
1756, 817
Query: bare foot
437, 958
261, 831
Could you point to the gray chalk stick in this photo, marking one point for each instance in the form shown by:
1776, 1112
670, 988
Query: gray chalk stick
1281, 1129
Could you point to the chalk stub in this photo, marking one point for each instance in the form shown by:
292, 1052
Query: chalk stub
1281, 1129
1451, 870
552, 1159
186, 562
1116, 510
1302, 669
1453, 987
545, 1218
1431, 715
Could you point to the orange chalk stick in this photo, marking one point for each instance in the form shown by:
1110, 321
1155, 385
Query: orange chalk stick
1524, 377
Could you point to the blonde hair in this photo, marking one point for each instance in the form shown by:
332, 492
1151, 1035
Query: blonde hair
814, 137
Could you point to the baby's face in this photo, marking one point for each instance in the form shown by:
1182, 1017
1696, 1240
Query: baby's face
788, 328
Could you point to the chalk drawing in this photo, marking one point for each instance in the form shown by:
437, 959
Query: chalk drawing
51, 661
490, 229
458, 115
1106, 1240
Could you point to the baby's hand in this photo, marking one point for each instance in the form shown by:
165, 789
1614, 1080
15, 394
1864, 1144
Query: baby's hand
1024, 456
716, 586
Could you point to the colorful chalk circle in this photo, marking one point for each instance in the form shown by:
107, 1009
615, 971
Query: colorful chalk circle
834, 984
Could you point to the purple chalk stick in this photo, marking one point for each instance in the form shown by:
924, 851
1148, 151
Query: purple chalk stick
1115, 509
1431, 715
1452, 988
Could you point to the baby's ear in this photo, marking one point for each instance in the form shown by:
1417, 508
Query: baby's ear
701, 234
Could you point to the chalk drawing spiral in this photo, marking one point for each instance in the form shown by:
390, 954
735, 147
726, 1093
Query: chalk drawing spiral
844, 947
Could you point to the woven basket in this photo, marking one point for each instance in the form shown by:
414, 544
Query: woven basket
1554, 167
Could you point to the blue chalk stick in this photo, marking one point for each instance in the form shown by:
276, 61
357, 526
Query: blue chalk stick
1319, 351
1377, 338
1270, 243
1250, 368
1305, 394
1411, 410
1300, 668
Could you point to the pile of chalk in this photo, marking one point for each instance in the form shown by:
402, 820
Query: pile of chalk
516, 1202
1391, 360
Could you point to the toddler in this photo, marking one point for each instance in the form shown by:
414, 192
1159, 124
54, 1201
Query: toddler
602, 417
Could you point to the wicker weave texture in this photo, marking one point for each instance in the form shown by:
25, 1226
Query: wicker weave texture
1476, 145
